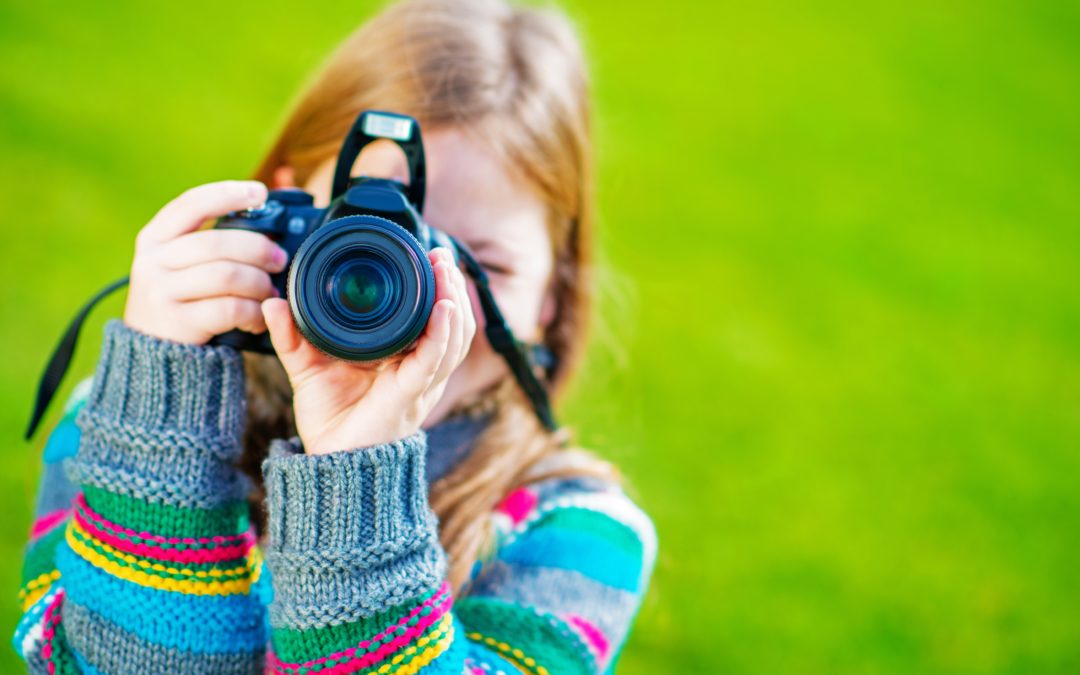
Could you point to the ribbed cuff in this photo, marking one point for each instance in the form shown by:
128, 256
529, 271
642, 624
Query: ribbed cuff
164, 421
350, 533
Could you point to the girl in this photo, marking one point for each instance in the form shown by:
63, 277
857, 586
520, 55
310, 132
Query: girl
206, 510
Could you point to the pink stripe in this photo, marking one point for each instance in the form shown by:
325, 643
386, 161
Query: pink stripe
189, 556
80, 502
382, 651
593, 634
517, 504
47, 522
51, 618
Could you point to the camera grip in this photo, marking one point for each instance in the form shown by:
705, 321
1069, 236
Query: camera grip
244, 341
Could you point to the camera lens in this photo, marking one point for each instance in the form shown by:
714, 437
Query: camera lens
362, 284
361, 288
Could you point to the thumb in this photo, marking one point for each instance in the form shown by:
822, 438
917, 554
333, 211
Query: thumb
296, 353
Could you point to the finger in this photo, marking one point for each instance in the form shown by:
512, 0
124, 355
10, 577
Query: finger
218, 315
460, 294
188, 211
466, 307
242, 246
296, 354
452, 356
417, 370
218, 278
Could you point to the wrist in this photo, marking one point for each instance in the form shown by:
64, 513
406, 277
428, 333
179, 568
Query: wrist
341, 431
336, 444
171, 331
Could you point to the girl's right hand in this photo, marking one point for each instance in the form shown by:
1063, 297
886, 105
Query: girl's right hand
190, 284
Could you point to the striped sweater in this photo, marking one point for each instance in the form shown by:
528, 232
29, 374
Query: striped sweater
142, 559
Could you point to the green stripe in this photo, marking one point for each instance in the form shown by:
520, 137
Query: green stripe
39, 557
602, 525
167, 519
559, 651
172, 546
297, 646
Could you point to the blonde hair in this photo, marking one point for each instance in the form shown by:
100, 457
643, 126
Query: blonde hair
514, 77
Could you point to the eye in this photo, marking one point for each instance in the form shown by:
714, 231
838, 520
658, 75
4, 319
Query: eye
493, 267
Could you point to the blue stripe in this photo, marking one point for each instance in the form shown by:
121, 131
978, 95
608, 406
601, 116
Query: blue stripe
201, 623
586, 553
84, 667
63, 441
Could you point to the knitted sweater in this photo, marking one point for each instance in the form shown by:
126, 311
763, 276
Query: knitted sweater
141, 557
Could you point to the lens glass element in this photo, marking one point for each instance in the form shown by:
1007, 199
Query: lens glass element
361, 285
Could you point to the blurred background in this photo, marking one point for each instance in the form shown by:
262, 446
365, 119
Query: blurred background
839, 355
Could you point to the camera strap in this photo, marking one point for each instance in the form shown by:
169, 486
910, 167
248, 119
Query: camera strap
61, 356
521, 357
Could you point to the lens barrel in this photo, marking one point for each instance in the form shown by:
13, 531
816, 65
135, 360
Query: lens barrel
361, 288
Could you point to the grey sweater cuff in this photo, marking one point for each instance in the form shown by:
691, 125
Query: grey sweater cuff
350, 533
164, 421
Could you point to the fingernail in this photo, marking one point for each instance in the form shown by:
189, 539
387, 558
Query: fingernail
280, 255
256, 192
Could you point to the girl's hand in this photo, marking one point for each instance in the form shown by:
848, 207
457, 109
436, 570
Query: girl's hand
187, 284
340, 405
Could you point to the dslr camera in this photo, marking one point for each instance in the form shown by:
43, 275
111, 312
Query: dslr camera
358, 279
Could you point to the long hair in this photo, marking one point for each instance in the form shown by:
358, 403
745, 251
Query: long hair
515, 79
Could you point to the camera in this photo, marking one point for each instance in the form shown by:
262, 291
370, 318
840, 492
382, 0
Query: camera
358, 279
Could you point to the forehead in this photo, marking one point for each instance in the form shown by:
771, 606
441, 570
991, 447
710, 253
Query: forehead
470, 194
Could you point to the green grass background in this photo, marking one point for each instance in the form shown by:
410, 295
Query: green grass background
840, 359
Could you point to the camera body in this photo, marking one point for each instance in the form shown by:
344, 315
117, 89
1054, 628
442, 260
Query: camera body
358, 279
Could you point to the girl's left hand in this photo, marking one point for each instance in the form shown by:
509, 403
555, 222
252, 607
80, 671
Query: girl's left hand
340, 405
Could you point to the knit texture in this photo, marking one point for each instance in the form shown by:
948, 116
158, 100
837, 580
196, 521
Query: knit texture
141, 558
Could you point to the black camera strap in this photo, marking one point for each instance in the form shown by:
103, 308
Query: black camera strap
521, 357
62, 354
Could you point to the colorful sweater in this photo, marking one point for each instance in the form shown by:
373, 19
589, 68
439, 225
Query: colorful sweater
142, 560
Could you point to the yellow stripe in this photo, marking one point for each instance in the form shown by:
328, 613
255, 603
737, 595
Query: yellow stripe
428, 654
239, 586
515, 656
201, 574
45, 580
34, 597
255, 559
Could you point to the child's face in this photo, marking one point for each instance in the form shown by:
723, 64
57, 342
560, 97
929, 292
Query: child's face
471, 197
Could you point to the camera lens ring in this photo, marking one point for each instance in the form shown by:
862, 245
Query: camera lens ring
380, 244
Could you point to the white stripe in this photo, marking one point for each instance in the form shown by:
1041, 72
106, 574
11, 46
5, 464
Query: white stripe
31, 641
